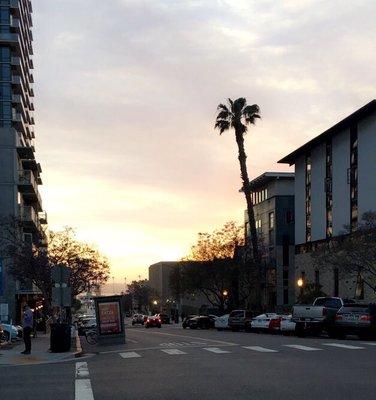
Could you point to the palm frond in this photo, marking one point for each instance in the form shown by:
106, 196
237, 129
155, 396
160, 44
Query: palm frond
223, 115
239, 104
251, 113
223, 107
231, 104
222, 125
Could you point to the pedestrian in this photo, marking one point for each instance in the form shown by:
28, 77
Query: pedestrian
27, 324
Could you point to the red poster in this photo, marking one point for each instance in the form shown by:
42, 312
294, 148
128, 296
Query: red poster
109, 317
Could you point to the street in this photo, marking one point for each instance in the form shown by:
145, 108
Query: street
172, 363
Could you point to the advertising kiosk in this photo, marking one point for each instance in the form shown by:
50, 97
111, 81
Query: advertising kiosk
110, 320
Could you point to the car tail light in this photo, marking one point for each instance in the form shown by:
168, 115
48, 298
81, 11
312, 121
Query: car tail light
338, 317
365, 318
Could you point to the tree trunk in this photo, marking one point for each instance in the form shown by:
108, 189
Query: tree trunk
251, 216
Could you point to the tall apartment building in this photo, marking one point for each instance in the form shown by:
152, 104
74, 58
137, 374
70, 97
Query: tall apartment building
273, 200
19, 170
335, 183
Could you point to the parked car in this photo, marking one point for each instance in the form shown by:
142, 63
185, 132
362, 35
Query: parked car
139, 319
2, 337
85, 325
199, 321
12, 330
316, 317
355, 319
269, 322
187, 320
165, 319
221, 323
287, 324
240, 319
152, 322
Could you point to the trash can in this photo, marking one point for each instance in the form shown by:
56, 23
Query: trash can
60, 340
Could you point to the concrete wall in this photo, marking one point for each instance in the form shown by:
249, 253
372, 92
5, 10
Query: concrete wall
318, 157
367, 165
341, 189
300, 222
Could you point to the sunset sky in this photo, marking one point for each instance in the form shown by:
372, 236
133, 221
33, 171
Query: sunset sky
126, 94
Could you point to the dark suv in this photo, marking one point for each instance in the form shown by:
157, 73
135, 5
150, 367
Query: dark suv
240, 319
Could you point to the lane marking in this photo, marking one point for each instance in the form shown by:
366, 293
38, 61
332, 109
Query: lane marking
260, 349
173, 352
369, 343
189, 337
215, 350
300, 347
130, 354
82, 370
343, 346
130, 340
83, 390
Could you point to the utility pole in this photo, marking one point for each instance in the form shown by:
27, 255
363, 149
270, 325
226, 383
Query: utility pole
113, 285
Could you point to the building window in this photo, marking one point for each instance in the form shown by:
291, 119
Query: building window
353, 178
266, 194
308, 202
336, 282
271, 220
328, 189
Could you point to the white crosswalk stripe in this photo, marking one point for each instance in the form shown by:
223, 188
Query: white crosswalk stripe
215, 350
343, 346
173, 352
260, 349
300, 347
130, 354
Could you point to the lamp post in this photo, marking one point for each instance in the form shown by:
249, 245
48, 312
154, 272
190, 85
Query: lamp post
225, 295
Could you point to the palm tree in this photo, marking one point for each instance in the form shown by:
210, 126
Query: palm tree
238, 115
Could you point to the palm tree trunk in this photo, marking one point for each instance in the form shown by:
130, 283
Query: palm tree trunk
247, 192
251, 219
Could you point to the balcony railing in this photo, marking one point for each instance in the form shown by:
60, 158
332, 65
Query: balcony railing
30, 217
25, 148
29, 187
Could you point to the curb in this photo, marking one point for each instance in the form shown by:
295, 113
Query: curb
79, 352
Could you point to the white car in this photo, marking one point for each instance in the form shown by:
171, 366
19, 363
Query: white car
221, 323
266, 322
14, 330
287, 325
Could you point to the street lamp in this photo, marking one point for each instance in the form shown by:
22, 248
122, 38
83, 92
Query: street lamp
225, 293
155, 302
300, 282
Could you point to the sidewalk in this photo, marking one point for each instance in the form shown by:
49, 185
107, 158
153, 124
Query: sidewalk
39, 353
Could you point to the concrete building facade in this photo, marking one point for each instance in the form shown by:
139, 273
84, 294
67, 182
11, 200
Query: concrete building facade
20, 173
335, 183
273, 199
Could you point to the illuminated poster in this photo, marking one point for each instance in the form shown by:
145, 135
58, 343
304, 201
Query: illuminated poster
109, 318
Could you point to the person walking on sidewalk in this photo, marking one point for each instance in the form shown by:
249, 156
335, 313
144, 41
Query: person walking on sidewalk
27, 324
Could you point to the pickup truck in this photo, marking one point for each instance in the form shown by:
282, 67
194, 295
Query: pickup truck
316, 317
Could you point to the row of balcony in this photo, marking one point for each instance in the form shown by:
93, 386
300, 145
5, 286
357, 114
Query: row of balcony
21, 107
15, 41
31, 219
25, 147
28, 186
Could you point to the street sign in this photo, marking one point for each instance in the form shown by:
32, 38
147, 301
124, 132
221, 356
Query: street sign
61, 296
60, 274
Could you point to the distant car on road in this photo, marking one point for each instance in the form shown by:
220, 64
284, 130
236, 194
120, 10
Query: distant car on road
152, 322
165, 319
199, 321
221, 323
86, 325
240, 319
287, 325
355, 319
269, 322
139, 319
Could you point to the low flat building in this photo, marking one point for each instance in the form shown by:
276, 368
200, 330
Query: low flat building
335, 183
273, 200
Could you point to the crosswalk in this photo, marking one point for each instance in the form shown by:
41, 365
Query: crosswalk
257, 349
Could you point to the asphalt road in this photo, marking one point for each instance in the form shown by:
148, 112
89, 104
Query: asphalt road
175, 364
